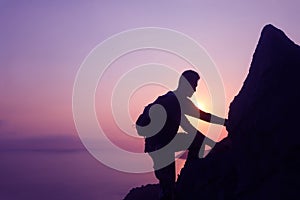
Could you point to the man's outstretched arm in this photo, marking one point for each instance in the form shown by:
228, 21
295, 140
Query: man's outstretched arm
190, 109
210, 117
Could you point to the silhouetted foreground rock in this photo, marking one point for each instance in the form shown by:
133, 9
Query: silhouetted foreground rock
263, 121
260, 158
149, 191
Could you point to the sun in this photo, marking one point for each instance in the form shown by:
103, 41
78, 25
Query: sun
200, 105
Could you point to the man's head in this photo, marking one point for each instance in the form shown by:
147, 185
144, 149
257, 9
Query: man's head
188, 82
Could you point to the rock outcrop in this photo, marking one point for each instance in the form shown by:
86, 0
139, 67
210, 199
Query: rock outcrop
260, 158
263, 120
148, 192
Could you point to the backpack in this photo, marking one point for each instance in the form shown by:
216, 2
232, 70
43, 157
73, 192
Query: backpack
143, 120
152, 119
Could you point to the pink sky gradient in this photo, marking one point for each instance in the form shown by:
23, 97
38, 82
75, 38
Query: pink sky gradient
44, 43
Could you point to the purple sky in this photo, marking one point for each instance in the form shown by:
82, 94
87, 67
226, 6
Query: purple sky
43, 44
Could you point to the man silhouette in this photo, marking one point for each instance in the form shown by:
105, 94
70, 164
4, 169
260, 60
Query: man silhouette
163, 144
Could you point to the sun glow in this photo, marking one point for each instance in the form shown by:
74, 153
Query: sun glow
200, 105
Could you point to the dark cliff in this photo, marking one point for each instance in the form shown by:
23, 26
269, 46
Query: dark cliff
260, 158
263, 120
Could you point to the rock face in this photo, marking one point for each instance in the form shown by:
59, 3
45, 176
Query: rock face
260, 158
148, 192
263, 120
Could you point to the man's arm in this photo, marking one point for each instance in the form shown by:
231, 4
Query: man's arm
218, 120
189, 108
210, 117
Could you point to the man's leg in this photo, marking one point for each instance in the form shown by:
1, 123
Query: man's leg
165, 175
194, 148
